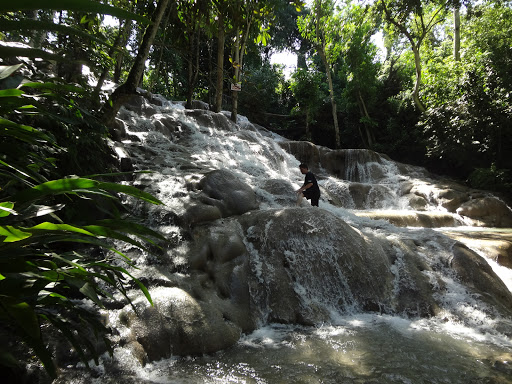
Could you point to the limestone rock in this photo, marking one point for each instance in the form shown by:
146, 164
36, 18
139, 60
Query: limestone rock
280, 191
228, 193
304, 151
197, 104
417, 202
476, 273
332, 267
489, 211
166, 124
201, 213
179, 324
211, 119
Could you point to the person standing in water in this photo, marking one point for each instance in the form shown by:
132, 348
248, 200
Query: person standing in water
309, 189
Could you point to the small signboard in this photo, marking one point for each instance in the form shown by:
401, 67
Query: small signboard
236, 86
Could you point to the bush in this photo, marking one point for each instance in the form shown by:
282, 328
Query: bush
492, 178
46, 264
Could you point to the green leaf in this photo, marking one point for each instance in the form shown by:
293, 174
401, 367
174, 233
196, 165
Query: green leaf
55, 187
55, 87
9, 92
38, 211
13, 234
131, 227
22, 132
7, 358
74, 185
70, 5
25, 317
33, 25
107, 232
60, 227
8, 70
132, 191
65, 328
6, 209
89, 290
32, 53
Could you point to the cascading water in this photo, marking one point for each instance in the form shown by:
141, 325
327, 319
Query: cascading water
336, 297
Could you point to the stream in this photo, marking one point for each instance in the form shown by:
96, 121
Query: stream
461, 343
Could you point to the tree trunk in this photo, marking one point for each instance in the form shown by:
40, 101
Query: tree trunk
160, 56
190, 66
323, 56
157, 67
119, 56
370, 138
416, 91
210, 74
236, 63
111, 52
220, 63
331, 94
129, 87
399, 21
239, 58
456, 34
308, 131
37, 38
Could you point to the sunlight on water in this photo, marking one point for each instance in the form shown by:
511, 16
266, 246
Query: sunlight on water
462, 344
360, 349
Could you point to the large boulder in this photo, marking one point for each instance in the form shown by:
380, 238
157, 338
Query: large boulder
309, 263
280, 191
211, 119
477, 275
225, 191
179, 324
487, 211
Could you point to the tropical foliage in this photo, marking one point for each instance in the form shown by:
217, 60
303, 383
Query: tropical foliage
52, 225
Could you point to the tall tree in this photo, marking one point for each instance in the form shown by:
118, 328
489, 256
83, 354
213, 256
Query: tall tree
129, 87
319, 29
456, 33
306, 87
221, 9
361, 68
414, 20
193, 16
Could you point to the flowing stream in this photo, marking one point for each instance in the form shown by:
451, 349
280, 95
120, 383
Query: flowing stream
461, 344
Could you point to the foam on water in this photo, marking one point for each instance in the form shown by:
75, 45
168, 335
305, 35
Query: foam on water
359, 347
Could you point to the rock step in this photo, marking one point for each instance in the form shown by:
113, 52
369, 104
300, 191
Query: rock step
414, 218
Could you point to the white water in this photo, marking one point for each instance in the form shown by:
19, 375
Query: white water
462, 345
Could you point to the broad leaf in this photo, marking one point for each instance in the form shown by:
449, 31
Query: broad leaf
22, 132
6, 209
70, 5
59, 227
32, 53
25, 318
132, 191
8, 70
9, 92
33, 25
13, 234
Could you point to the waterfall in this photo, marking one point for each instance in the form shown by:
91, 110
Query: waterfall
257, 290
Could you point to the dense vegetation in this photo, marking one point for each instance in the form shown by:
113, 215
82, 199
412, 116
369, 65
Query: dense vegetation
437, 92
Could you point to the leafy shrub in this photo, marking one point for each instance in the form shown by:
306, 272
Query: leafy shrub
53, 259
491, 179
46, 262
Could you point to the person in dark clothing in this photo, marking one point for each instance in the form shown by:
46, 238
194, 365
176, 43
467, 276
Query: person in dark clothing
309, 189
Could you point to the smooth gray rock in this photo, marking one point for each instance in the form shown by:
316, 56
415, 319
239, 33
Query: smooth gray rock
229, 194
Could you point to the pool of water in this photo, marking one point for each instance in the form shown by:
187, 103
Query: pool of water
359, 349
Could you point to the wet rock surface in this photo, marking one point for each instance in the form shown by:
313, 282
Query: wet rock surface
242, 255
